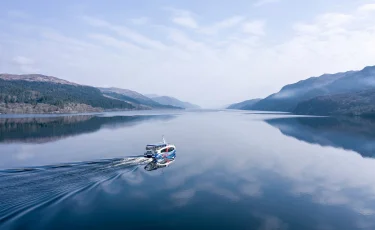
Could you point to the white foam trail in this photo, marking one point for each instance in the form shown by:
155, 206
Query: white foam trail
133, 161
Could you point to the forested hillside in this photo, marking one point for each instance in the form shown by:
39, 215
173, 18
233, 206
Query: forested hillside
18, 94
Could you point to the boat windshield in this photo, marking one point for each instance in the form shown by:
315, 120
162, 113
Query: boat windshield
155, 147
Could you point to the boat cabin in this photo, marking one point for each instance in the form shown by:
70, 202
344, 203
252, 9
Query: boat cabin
159, 148
155, 146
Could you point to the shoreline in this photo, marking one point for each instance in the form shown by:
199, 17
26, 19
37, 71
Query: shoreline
101, 113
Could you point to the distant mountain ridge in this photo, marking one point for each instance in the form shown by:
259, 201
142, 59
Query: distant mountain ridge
167, 100
306, 96
34, 78
37, 93
134, 97
151, 95
129, 93
244, 104
290, 95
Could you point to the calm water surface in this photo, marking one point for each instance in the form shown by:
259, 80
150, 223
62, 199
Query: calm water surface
233, 170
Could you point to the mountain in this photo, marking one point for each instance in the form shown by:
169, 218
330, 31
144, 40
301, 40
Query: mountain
134, 98
152, 95
248, 104
36, 93
166, 100
35, 78
360, 103
327, 84
131, 95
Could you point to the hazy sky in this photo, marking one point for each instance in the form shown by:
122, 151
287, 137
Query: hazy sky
209, 52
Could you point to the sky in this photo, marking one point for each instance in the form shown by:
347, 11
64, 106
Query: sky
211, 53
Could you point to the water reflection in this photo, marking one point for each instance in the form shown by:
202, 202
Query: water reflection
153, 165
49, 129
357, 134
233, 172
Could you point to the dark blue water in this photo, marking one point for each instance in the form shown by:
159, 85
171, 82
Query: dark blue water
233, 170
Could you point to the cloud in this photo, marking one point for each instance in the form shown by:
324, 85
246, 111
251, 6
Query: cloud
305, 28
229, 22
111, 41
334, 19
367, 7
286, 94
325, 24
52, 35
254, 27
264, 2
125, 32
223, 24
185, 21
139, 21
182, 17
180, 38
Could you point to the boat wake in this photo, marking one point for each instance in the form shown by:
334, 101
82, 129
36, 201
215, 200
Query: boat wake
28, 189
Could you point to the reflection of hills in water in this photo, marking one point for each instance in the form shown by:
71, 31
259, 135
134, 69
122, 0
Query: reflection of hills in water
41, 130
355, 134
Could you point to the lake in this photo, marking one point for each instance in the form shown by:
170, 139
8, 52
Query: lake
233, 170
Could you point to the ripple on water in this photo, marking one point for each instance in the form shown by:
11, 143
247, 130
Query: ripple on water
27, 189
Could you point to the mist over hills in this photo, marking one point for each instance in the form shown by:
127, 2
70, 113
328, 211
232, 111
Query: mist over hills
135, 97
346, 93
167, 100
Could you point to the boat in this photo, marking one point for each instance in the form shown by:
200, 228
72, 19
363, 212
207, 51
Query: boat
160, 151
